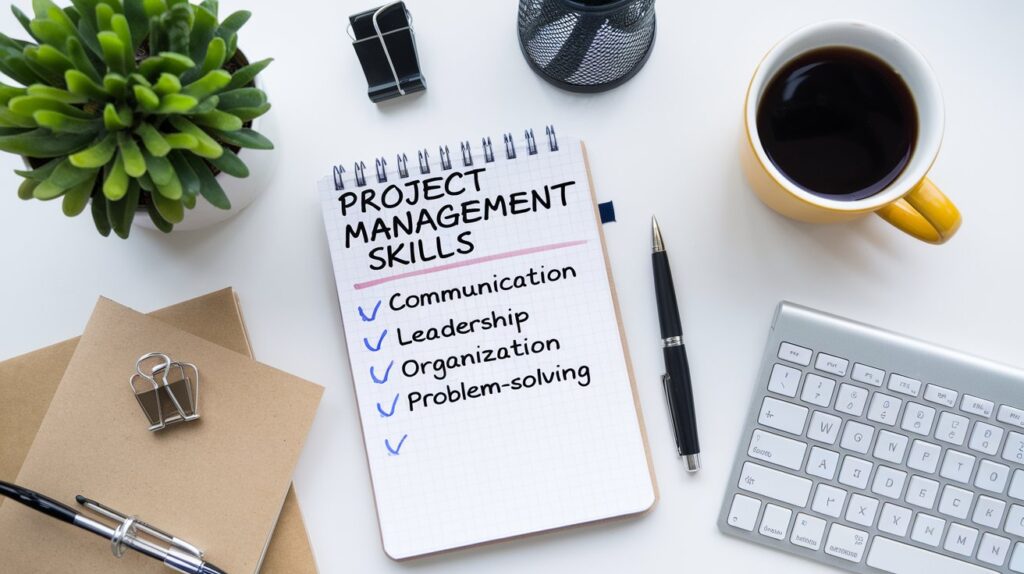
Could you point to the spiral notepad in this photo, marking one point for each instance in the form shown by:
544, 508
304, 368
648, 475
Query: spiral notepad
491, 371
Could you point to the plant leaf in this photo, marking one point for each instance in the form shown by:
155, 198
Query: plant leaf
116, 183
242, 98
9, 119
25, 21
96, 155
154, 215
147, 98
207, 147
119, 25
248, 114
153, 140
172, 189
134, 161
116, 85
62, 124
41, 143
159, 169
203, 28
170, 209
216, 54
66, 175
138, 22
113, 51
177, 25
206, 105
169, 62
209, 186
176, 104
190, 184
229, 28
8, 92
82, 85
77, 197
42, 172
178, 140
99, 214
167, 84
115, 118
230, 164
121, 213
27, 188
208, 85
56, 94
28, 105
219, 120
247, 74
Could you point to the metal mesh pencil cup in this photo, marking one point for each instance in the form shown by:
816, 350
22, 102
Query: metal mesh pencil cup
586, 46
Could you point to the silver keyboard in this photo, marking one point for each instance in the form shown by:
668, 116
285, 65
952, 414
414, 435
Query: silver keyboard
870, 451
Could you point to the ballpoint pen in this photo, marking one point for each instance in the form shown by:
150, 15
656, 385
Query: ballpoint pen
678, 390
178, 555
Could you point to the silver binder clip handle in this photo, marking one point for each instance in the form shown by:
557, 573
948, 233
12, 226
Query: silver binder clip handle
383, 44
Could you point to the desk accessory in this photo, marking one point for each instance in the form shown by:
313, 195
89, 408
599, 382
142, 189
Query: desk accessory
676, 380
911, 202
178, 555
148, 127
586, 45
481, 323
871, 451
384, 42
167, 391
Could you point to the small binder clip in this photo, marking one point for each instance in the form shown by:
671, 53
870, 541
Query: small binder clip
383, 40
167, 391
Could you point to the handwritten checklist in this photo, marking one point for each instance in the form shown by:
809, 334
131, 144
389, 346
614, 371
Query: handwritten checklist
487, 356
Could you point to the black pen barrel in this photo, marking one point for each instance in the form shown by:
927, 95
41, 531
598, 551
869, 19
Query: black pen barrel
681, 391
37, 501
665, 294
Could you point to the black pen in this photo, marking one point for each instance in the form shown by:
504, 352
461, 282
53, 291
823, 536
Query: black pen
180, 556
678, 390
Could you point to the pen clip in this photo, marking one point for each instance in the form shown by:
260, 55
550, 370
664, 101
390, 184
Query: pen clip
665, 378
129, 524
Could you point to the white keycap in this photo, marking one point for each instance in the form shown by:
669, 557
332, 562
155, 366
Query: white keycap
927, 529
775, 522
808, 531
784, 380
1017, 485
952, 428
889, 482
992, 476
743, 513
894, 519
960, 540
824, 427
829, 500
993, 549
976, 406
1017, 560
857, 436
782, 486
924, 456
782, 415
1010, 416
891, 447
989, 512
855, 472
846, 543
955, 502
904, 385
922, 492
986, 438
831, 364
862, 510
1013, 451
822, 463
1015, 520
851, 400
884, 409
892, 556
779, 450
867, 375
918, 419
940, 395
957, 466
818, 390
795, 354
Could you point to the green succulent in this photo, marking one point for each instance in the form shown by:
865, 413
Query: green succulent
127, 104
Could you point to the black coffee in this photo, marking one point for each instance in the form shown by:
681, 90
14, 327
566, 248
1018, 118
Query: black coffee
839, 122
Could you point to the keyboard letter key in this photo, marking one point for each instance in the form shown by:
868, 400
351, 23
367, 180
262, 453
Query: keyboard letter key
784, 380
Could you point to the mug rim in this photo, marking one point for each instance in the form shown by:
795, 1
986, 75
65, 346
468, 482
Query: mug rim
913, 173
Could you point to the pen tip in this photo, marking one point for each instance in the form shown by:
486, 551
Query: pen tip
81, 499
656, 241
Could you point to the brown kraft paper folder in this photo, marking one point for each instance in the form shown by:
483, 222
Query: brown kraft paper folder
27, 385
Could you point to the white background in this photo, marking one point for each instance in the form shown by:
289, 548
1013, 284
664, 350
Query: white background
664, 143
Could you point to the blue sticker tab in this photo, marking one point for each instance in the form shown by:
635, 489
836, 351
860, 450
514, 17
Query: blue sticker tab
607, 211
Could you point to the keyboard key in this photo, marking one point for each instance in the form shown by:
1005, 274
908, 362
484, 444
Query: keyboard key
961, 540
891, 447
822, 463
775, 522
862, 510
824, 427
952, 428
818, 390
918, 419
884, 409
924, 456
855, 472
889, 482
993, 549
955, 502
1014, 449
828, 500
1015, 520
795, 354
976, 406
784, 380
779, 450
904, 385
792, 490
992, 476
1017, 560
922, 492
892, 556
867, 375
1010, 416
782, 415
988, 512
857, 437
846, 543
830, 364
1017, 485
743, 513
894, 519
940, 395
986, 438
808, 531
851, 400
927, 529
957, 466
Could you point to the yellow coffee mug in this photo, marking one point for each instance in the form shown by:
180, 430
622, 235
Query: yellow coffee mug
911, 202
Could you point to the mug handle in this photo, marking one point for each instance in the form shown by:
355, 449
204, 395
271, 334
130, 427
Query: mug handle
925, 213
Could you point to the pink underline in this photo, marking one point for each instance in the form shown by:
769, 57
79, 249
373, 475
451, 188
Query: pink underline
468, 262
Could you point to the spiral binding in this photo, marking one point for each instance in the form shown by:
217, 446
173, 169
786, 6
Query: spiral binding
445, 158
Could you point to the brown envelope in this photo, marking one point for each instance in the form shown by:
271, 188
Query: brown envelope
28, 383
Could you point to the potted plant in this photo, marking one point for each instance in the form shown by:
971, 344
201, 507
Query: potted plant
130, 105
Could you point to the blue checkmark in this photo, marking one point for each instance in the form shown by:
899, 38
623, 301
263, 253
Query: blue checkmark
371, 317
395, 450
380, 342
394, 404
387, 373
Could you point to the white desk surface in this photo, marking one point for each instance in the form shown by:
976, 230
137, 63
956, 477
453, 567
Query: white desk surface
664, 143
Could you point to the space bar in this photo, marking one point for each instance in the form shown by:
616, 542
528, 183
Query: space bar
901, 558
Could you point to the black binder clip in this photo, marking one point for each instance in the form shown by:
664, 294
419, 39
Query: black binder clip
384, 42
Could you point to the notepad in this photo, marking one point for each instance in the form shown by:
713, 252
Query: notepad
493, 381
